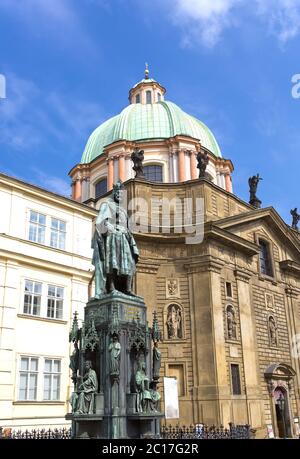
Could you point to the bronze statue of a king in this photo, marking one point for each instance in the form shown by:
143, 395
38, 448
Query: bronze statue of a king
115, 251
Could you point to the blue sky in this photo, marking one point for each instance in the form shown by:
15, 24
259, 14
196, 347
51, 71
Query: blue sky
69, 65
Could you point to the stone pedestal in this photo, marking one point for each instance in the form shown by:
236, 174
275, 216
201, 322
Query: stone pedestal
255, 202
121, 319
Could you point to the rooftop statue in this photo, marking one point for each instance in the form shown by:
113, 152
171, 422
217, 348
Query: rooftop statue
253, 183
137, 157
115, 251
203, 160
296, 218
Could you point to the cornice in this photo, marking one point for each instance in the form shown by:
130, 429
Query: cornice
290, 266
205, 263
292, 292
147, 266
242, 275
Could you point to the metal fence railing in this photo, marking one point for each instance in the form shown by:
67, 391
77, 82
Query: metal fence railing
36, 434
202, 431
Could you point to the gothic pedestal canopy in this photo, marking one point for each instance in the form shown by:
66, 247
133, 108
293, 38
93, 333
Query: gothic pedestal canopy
116, 339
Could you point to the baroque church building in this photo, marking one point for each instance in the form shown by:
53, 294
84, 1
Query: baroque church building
228, 306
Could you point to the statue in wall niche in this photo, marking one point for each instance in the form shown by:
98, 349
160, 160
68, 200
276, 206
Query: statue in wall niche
115, 251
155, 397
115, 351
137, 157
174, 322
253, 183
296, 218
203, 160
143, 397
74, 362
272, 331
156, 361
82, 400
231, 323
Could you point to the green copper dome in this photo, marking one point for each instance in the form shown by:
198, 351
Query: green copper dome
160, 120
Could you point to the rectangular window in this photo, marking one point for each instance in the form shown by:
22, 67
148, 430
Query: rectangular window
52, 374
37, 227
148, 97
28, 378
55, 302
137, 99
177, 372
58, 234
235, 379
32, 298
228, 290
265, 258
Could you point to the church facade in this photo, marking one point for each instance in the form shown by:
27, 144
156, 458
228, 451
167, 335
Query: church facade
228, 304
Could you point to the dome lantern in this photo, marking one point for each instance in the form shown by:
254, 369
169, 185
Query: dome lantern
146, 91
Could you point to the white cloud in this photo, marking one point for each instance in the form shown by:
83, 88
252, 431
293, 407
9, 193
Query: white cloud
282, 17
55, 19
29, 117
204, 21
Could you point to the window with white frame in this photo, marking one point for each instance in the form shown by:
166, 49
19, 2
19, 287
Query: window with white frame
43, 300
55, 302
32, 298
58, 234
47, 230
37, 227
52, 376
28, 378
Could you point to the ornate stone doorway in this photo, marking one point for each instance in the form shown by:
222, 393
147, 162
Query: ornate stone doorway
281, 411
279, 378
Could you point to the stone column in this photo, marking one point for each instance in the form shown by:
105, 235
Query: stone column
294, 329
116, 168
228, 184
128, 167
181, 166
77, 190
193, 165
85, 188
122, 168
249, 346
171, 167
110, 173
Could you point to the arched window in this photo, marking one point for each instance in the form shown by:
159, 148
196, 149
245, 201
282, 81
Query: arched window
100, 188
148, 97
265, 258
153, 173
137, 99
158, 96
